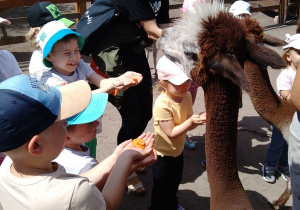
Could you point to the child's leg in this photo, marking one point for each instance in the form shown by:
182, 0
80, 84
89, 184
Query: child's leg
167, 175
283, 160
275, 149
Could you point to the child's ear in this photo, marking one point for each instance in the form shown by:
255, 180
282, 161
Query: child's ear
34, 147
288, 57
68, 139
48, 58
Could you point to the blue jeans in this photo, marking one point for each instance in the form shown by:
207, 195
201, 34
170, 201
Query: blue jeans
278, 150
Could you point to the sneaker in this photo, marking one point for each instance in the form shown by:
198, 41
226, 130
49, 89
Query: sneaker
180, 208
203, 163
189, 144
268, 173
284, 171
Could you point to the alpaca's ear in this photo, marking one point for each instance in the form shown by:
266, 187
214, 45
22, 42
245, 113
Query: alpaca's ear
273, 41
264, 56
228, 66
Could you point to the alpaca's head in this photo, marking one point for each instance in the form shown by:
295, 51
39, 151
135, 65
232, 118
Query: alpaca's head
212, 41
202, 39
180, 42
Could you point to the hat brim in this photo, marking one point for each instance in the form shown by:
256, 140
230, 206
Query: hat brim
94, 110
56, 37
179, 79
75, 97
67, 22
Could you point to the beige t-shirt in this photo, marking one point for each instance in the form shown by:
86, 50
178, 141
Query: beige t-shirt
166, 109
57, 190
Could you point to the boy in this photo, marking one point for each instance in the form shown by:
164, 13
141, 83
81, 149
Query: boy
61, 51
60, 47
28, 179
76, 157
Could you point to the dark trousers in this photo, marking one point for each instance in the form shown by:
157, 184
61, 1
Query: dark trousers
136, 110
167, 175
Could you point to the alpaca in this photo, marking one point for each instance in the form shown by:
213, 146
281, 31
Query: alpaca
213, 54
272, 108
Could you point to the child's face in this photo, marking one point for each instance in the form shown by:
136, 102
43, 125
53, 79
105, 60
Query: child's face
53, 139
64, 56
83, 133
294, 58
178, 90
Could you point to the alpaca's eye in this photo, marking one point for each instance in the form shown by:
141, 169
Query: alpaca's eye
191, 55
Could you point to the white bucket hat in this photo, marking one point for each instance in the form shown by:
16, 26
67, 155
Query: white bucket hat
240, 7
292, 41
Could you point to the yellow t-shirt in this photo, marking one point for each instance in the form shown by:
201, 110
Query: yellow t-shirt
166, 109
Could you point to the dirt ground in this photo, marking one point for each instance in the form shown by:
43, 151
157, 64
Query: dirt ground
194, 193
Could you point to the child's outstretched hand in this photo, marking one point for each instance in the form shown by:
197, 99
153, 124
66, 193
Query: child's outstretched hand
128, 79
141, 157
199, 119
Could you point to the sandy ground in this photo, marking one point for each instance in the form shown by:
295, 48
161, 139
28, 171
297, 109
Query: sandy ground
194, 193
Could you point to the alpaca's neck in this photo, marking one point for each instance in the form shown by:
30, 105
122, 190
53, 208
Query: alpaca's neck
266, 102
221, 101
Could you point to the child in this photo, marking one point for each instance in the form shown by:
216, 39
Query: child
61, 47
240, 9
82, 128
28, 179
277, 154
173, 117
8, 68
61, 51
76, 157
38, 15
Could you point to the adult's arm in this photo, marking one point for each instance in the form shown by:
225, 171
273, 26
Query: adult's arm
151, 28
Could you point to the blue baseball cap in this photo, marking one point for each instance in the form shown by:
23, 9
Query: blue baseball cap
94, 110
51, 33
28, 107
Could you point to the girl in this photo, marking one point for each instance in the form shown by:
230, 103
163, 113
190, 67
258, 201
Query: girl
173, 117
277, 154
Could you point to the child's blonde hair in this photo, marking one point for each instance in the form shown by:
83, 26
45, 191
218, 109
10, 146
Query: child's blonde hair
284, 55
161, 85
31, 37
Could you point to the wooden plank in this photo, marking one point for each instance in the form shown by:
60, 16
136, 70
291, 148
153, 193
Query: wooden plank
12, 40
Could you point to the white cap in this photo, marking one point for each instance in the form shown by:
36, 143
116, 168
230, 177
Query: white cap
240, 7
51, 33
4, 21
293, 41
168, 70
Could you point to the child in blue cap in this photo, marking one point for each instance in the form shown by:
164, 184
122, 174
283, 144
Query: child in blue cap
33, 133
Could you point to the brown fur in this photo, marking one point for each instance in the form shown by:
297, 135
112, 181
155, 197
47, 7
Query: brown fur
266, 102
224, 50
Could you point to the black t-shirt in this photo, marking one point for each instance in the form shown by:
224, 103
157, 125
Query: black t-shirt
141, 10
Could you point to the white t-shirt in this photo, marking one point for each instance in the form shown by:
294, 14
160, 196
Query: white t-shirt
285, 79
57, 190
38, 70
8, 65
76, 162
52, 77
